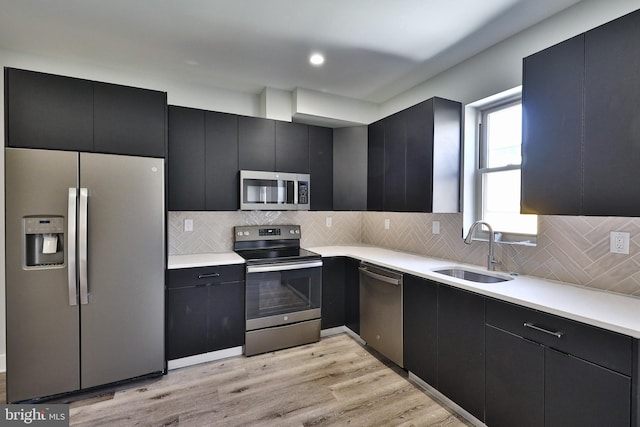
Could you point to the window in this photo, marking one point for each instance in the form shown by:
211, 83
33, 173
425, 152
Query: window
498, 172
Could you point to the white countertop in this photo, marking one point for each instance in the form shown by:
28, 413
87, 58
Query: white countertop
607, 310
203, 260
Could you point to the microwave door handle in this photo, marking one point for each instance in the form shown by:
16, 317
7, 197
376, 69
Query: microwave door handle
82, 246
295, 192
71, 242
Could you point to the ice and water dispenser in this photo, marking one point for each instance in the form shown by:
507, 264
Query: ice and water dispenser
43, 241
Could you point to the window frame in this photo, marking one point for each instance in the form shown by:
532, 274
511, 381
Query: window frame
481, 170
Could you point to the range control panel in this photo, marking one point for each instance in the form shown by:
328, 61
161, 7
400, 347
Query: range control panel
266, 232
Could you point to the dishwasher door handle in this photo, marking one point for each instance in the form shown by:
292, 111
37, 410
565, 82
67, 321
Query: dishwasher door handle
380, 277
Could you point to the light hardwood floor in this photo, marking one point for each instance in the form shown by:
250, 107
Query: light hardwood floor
334, 382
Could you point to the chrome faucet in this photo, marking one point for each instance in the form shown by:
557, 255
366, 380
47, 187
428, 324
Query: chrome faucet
491, 260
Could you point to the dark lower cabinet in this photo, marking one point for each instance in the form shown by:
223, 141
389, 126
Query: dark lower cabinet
205, 310
420, 328
461, 358
352, 295
533, 379
514, 380
579, 393
333, 292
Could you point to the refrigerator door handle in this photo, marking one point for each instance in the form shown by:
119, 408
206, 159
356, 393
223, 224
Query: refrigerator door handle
82, 246
71, 252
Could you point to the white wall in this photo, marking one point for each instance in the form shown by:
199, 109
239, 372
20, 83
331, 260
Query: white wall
492, 71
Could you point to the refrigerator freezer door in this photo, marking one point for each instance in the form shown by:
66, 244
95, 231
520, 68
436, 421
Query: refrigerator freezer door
42, 326
122, 334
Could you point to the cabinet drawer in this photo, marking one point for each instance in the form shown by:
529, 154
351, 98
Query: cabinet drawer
605, 348
185, 277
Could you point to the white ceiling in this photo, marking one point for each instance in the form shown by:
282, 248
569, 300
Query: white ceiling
375, 49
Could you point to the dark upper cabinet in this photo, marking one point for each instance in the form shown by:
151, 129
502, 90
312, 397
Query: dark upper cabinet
48, 111
580, 109
414, 159
420, 328
186, 162
222, 179
395, 158
375, 167
461, 346
256, 144
129, 120
612, 118
63, 113
203, 160
419, 185
321, 167
552, 100
292, 147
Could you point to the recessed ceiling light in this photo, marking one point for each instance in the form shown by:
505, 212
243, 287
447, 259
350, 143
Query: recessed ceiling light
316, 59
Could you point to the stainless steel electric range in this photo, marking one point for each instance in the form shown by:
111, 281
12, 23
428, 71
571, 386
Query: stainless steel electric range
283, 288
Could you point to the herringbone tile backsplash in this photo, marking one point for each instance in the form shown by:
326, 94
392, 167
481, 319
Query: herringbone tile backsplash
570, 249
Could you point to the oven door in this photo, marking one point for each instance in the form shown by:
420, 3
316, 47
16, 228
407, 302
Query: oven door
278, 294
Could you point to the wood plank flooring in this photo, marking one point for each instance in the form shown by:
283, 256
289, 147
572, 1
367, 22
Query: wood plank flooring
334, 382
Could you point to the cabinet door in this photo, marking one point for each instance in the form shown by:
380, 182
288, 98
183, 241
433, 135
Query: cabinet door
579, 393
419, 179
395, 149
186, 321
186, 159
256, 144
333, 292
48, 111
612, 118
514, 380
129, 120
375, 167
222, 183
292, 147
461, 371
225, 311
420, 320
321, 167
352, 295
552, 101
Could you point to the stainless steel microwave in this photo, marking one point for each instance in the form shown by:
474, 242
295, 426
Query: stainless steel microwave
274, 191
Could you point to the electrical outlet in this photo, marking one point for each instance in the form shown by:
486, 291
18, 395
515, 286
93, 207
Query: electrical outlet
329, 222
619, 243
387, 223
188, 225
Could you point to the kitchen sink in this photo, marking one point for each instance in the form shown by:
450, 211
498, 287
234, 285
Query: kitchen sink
472, 276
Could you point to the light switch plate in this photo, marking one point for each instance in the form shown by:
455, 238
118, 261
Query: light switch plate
329, 222
435, 227
188, 225
387, 223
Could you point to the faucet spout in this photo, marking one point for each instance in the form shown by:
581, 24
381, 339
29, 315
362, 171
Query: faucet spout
491, 260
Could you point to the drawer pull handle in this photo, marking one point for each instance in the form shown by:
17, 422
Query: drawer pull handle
557, 334
206, 276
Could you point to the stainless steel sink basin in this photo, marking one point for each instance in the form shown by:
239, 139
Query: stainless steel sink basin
472, 276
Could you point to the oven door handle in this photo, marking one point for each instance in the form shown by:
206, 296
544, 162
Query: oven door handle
283, 266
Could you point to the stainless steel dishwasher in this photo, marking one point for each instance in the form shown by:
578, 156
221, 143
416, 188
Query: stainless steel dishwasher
381, 311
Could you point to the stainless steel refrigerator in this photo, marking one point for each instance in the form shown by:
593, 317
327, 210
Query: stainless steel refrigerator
85, 259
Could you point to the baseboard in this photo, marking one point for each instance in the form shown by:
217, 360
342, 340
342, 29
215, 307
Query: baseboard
445, 400
205, 357
341, 330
